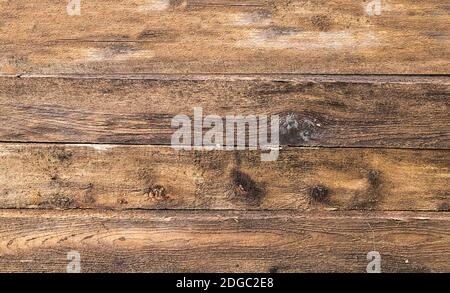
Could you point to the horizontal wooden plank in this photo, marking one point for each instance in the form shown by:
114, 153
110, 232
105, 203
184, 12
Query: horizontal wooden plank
402, 112
255, 36
130, 177
175, 241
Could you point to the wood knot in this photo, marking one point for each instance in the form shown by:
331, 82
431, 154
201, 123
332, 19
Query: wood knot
156, 191
122, 201
61, 201
444, 207
374, 178
244, 188
318, 194
295, 130
62, 155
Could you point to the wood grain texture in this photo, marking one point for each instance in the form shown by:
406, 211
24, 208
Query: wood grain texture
402, 112
209, 36
86, 104
166, 241
140, 177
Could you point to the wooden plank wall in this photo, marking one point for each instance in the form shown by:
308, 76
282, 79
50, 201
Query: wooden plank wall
86, 103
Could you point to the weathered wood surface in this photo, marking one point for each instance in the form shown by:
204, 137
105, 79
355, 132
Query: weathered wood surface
86, 104
204, 241
402, 112
255, 36
130, 177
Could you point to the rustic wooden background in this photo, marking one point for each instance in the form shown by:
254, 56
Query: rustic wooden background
85, 157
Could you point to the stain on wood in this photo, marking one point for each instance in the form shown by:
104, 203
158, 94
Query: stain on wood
314, 111
141, 177
205, 36
158, 241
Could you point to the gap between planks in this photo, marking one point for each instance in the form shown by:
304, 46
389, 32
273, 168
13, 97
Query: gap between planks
156, 145
402, 216
289, 77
